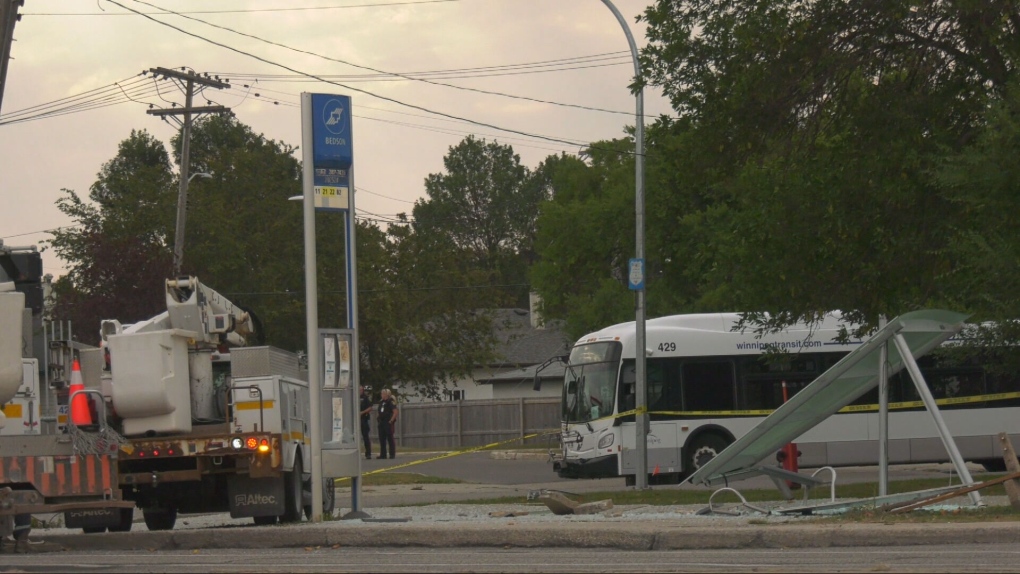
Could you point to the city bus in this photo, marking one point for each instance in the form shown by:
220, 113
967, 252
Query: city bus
708, 383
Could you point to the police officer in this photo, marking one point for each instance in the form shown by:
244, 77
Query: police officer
387, 418
366, 421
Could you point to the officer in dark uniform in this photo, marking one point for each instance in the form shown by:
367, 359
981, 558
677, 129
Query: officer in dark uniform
387, 419
366, 420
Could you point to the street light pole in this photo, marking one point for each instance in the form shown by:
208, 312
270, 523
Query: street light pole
640, 390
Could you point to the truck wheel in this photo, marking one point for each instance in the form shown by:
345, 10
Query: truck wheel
703, 449
292, 484
161, 518
127, 518
93, 529
328, 497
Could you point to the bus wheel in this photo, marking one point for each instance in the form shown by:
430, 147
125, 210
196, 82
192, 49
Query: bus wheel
703, 449
993, 464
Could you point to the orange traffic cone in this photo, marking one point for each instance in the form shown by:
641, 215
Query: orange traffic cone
80, 414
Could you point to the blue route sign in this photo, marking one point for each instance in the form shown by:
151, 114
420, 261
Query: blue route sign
636, 274
332, 151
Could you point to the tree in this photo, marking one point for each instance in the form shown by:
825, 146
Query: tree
425, 322
821, 131
117, 253
586, 236
486, 205
243, 236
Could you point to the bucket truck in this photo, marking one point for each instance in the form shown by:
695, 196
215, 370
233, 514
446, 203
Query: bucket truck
212, 425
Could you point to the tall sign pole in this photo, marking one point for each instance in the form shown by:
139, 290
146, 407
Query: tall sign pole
636, 276
327, 159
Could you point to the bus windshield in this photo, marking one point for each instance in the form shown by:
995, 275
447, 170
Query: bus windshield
589, 386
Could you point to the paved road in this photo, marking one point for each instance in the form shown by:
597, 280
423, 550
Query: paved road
953, 558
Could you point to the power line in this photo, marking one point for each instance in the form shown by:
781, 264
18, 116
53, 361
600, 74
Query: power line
252, 10
621, 54
122, 91
406, 77
359, 188
421, 126
351, 88
578, 63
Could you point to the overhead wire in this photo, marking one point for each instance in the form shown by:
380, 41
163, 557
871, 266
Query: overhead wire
463, 73
345, 86
495, 69
523, 65
129, 89
378, 71
411, 125
252, 10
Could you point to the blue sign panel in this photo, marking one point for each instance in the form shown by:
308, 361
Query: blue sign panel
331, 130
636, 274
332, 151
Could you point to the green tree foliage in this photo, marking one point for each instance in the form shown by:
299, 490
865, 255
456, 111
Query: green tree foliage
807, 171
983, 182
423, 319
585, 237
118, 252
244, 238
485, 204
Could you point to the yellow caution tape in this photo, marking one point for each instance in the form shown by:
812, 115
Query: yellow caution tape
451, 454
730, 413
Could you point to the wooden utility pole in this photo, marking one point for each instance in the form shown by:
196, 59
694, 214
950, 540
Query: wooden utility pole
188, 81
1012, 467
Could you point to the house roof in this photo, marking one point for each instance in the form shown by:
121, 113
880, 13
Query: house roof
520, 344
554, 371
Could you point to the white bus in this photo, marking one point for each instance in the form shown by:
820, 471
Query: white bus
708, 384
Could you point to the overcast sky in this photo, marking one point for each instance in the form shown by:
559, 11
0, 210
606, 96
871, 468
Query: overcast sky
557, 51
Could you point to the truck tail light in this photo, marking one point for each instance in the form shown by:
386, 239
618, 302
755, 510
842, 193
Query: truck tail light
264, 445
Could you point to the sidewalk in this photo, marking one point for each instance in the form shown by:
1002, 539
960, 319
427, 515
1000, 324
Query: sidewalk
529, 524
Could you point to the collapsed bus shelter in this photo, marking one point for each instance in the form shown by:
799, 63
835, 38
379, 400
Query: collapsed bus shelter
895, 346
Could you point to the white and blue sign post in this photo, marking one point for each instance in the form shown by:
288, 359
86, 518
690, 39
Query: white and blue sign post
328, 185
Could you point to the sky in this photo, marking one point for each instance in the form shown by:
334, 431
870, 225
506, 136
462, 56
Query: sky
557, 70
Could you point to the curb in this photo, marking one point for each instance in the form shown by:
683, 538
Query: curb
658, 535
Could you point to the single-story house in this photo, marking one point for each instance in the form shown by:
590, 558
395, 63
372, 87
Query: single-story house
525, 345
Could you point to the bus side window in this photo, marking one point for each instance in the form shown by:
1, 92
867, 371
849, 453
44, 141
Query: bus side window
664, 376
709, 386
628, 384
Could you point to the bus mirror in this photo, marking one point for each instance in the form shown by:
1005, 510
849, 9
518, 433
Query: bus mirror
537, 382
